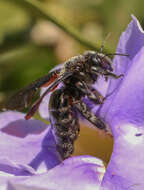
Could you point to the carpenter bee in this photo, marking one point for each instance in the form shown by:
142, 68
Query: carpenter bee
77, 75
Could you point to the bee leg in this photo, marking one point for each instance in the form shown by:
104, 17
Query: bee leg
95, 96
84, 110
113, 75
92, 93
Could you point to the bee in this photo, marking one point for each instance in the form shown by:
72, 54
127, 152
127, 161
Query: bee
77, 75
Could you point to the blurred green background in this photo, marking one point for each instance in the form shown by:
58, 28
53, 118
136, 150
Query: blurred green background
30, 46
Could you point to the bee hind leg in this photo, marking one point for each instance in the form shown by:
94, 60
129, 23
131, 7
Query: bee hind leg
87, 114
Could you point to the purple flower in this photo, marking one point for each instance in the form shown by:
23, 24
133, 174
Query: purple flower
28, 158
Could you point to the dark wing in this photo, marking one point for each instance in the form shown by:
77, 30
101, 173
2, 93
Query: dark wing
34, 108
23, 97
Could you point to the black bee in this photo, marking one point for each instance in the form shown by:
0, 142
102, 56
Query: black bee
77, 76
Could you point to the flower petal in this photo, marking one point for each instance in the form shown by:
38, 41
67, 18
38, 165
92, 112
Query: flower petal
126, 118
23, 141
128, 104
14, 124
4, 178
131, 41
77, 173
10, 167
43, 108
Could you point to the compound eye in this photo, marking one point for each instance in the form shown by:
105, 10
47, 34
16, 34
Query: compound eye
106, 63
95, 59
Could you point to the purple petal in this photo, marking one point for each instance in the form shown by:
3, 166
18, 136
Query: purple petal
48, 155
77, 173
126, 118
128, 104
10, 167
14, 124
43, 108
131, 41
4, 178
14, 129
27, 142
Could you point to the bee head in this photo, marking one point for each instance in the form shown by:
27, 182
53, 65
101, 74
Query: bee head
102, 61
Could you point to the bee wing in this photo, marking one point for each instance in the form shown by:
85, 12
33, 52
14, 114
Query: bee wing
50, 88
23, 97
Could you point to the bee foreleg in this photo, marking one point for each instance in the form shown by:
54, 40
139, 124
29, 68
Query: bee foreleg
96, 96
92, 93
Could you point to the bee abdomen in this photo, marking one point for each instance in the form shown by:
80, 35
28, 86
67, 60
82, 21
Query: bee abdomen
64, 123
65, 149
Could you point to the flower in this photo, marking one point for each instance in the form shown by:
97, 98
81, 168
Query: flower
27, 154
26, 147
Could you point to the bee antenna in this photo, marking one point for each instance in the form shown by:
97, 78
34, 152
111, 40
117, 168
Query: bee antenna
121, 54
106, 38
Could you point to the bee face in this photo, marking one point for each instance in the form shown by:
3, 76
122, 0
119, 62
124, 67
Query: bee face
102, 61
